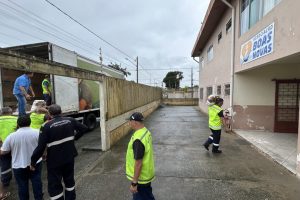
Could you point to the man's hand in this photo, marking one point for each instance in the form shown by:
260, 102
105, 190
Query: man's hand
32, 168
133, 189
33, 94
27, 96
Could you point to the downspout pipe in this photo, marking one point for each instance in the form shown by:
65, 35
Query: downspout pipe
198, 74
195, 60
232, 54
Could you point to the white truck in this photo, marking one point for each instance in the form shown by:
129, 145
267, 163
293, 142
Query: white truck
73, 95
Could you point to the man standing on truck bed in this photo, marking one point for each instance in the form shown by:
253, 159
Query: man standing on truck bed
21, 88
58, 136
46, 86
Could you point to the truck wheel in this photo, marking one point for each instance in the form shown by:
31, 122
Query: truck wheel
90, 121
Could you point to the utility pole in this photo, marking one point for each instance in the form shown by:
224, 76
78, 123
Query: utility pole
137, 69
192, 82
100, 56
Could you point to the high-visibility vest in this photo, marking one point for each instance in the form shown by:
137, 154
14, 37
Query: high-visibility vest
8, 124
37, 120
45, 91
148, 172
215, 122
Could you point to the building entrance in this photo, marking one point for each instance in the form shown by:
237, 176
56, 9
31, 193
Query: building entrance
287, 106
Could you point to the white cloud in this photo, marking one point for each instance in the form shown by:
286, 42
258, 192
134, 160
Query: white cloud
161, 33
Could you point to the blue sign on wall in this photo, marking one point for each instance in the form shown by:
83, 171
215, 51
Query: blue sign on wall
259, 46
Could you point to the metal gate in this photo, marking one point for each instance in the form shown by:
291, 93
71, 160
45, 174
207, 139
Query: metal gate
287, 106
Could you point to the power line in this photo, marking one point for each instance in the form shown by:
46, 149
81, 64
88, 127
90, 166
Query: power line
157, 69
70, 36
89, 30
43, 20
40, 29
58, 29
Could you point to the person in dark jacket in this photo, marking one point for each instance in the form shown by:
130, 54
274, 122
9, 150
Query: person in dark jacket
58, 136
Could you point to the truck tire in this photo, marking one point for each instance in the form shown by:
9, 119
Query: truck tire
90, 120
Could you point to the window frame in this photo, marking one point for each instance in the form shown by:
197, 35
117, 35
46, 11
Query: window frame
210, 51
219, 90
211, 88
228, 26
219, 37
201, 92
261, 13
227, 89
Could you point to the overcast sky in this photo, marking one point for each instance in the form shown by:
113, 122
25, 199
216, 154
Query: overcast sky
161, 33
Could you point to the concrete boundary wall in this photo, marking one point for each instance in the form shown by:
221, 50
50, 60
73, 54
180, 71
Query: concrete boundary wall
124, 96
118, 127
181, 102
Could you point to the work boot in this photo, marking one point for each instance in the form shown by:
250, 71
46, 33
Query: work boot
206, 145
217, 151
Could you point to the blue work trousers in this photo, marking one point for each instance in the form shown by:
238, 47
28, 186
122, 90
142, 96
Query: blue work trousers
144, 192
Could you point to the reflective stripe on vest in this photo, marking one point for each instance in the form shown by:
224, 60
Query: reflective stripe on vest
8, 124
45, 91
215, 122
37, 120
148, 172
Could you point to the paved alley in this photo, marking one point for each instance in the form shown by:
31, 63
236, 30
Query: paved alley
186, 171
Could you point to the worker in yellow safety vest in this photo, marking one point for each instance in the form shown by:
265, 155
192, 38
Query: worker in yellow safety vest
39, 116
8, 125
47, 90
139, 159
216, 119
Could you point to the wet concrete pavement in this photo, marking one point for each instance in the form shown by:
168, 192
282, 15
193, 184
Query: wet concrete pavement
186, 171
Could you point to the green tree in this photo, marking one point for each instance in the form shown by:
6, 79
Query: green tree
172, 79
118, 67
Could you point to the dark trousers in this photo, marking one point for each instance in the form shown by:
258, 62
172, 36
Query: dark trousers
56, 175
144, 193
6, 174
47, 99
23, 175
214, 138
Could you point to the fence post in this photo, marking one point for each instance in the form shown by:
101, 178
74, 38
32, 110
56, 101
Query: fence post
105, 140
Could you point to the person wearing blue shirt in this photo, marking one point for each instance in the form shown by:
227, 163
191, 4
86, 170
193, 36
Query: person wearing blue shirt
22, 87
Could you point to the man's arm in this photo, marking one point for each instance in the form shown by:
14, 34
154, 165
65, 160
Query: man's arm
80, 129
137, 170
32, 92
138, 151
24, 92
5, 149
39, 150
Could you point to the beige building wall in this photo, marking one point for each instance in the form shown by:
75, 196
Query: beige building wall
254, 92
286, 36
254, 97
217, 71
